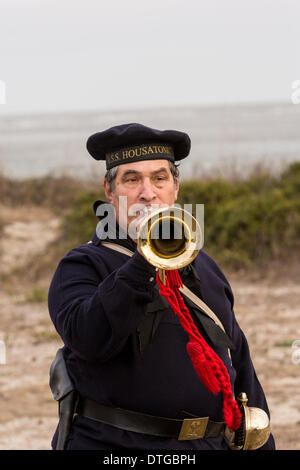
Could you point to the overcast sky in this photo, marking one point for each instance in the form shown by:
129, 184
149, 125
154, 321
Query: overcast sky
65, 55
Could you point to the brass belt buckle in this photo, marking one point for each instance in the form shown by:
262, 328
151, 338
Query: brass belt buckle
193, 429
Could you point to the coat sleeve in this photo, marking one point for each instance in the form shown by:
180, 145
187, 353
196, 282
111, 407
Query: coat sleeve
95, 319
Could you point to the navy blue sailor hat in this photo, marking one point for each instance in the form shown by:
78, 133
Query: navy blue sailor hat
135, 142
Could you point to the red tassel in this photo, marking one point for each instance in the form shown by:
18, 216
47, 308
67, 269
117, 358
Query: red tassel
203, 367
206, 362
174, 280
232, 415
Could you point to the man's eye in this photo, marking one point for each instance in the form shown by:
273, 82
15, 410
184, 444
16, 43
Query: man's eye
131, 180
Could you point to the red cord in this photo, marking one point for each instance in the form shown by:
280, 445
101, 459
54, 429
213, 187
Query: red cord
207, 364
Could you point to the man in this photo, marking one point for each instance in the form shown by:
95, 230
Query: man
125, 351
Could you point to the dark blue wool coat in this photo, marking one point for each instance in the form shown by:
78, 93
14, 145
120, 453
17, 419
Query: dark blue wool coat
97, 300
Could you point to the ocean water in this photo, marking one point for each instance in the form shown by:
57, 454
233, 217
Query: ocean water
225, 140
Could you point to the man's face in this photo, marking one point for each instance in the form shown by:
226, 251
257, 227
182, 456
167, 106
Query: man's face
147, 183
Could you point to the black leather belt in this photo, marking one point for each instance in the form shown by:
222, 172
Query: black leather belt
181, 429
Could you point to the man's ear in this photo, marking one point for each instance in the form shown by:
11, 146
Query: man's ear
107, 191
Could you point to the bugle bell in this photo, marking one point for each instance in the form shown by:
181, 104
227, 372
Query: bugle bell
169, 238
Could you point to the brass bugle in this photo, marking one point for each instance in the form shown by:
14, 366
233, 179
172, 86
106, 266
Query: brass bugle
169, 238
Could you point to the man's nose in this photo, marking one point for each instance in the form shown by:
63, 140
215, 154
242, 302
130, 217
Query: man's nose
147, 191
